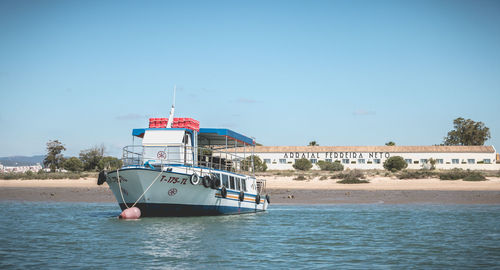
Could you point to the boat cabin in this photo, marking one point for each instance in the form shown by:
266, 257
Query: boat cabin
211, 148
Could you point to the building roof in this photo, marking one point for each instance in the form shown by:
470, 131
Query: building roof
365, 149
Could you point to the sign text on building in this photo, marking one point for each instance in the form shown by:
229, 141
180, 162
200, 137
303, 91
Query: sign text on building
337, 155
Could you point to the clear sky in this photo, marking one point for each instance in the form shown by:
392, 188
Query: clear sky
285, 72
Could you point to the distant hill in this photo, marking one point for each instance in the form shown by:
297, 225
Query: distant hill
21, 160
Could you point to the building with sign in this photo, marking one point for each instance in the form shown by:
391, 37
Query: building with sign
373, 157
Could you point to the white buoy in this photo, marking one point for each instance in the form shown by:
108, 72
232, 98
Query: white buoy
130, 213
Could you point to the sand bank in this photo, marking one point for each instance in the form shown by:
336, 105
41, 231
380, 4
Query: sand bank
283, 190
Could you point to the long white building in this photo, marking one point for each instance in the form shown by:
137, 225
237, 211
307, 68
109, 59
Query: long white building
373, 157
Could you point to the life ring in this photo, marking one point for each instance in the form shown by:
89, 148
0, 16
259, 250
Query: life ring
242, 196
223, 192
257, 199
207, 182
103, 175
268, 199
195, 179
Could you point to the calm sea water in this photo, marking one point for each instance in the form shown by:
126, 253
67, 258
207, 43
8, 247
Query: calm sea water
88, 235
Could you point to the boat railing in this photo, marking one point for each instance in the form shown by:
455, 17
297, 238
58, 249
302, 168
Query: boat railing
180, 154
261, 186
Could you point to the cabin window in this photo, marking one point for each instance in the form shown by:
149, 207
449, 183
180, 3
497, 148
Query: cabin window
231, 182
455, 161
237, 184
225, 181
217, 175
244, 184
487, 161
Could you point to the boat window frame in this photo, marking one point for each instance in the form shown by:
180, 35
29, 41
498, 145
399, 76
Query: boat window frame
238, 183
225, 180
231, 182
244, 184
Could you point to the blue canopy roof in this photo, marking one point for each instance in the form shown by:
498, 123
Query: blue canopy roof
210, 136
217, 136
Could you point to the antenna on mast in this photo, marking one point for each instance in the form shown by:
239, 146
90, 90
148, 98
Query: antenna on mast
173, 104
172, 110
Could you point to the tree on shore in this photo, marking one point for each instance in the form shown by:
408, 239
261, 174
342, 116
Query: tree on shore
109, 163
91, 157
259, 166
467, 132
390, 143
54, 158
330, 166
395, 163
73, 164
302, 164
313, 143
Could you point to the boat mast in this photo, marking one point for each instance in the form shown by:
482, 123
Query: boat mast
171, 116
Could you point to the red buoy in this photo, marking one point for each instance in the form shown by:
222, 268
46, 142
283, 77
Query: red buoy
130, 213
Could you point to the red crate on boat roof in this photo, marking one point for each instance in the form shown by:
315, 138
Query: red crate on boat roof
179, 122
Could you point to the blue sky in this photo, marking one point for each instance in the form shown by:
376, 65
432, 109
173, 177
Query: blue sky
285, 72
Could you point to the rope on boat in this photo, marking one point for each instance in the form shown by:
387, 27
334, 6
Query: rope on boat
121, 192
147, 188
120, 187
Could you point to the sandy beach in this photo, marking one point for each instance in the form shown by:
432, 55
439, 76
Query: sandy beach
284, 190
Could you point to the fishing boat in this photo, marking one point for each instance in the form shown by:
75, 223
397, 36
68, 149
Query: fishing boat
180, 169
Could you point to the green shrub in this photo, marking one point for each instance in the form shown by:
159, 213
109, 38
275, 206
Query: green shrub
474, 176
300, 178
330, 166
302, 164
416, 174
433, 163
324, 177
454, 174
353, 181
353, 177
395, 163
285, 173
457, 174
337, 176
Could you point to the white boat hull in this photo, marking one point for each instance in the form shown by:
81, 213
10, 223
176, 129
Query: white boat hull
172, 194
